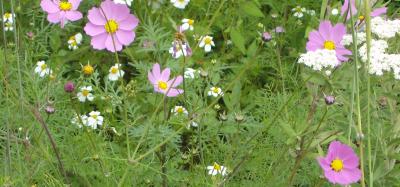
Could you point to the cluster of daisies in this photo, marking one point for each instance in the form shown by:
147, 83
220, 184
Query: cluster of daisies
8, 21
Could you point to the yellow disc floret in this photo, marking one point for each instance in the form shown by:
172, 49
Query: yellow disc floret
337, 165
330, 45
114, 70
162, 85
111, 26
65, 6
88, 69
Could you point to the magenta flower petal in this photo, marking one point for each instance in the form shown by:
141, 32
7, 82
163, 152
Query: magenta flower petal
174, 92
54, 17
119, 13
156, 70
93, 30
325, 28
129, 23
339, 32
345, 8
125, 37
73, 15
48, 6
75, 4
99, 41
96, 17
176, 81
113, 44
379, 11
151, 78
165, 74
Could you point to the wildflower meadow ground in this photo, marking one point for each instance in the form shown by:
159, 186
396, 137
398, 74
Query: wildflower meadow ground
268, 93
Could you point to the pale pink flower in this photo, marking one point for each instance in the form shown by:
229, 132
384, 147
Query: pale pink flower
61, 11
161, 82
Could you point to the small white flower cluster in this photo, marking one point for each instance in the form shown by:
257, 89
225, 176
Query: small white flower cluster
74, 41
300, 11
348, 38
181, 4
319, 59
93, 120
380, 61
385, 29
8, 20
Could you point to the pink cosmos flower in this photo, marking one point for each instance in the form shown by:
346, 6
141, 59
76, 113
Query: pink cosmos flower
161, 82
61, 10
378, 11
329, 37
340, 164
111, 24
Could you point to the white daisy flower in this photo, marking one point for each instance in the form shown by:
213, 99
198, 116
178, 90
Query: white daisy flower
187, 24
8, 17
115, 72
74, 41
216, 169
124, 2
206, 42
85, 94
42, 69
179, 110
215, 92
95, 119
8, 26
181, 4
299, 11
190, 73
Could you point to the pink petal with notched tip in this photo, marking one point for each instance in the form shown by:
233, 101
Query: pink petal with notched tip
99, 41
176, 81
151, 77
174, 92
129, 23
325, 29
112, 44
54, 17
75, 4
339, 30
96, 17
125, 37
73, 15
94, 30
49, 6
156, 71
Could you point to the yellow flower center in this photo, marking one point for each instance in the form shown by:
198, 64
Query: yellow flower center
298, 9
65, 6
162, 85
94, 116
337, 165
190, 22
88, 69
181, 1
330, 45
216, 90
111, 26
217, 167
85, 93
43, 67
361, 17
7, 15
114, 70
179, 110
207, 41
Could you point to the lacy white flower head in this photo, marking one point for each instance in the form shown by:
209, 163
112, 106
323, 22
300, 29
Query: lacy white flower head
348, 39
8, 17
115, 72
42, 69
319, 59
179, 49
181, 4
311, 12
385, 29
8, 26
74, 41
206, 42
215, 92
85, 94
216, 169
187, 24
299, 11
190, 73
94, 119
124, 2
179, 110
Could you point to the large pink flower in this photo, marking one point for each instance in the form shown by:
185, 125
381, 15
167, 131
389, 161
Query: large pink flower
111, 26
340, 164
61, 10
161, 82
329, 37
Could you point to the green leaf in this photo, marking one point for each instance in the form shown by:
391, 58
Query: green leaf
55, 41
238, 40
251, 9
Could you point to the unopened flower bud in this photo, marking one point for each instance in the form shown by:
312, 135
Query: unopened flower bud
69, 87
50, 109
330, 99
